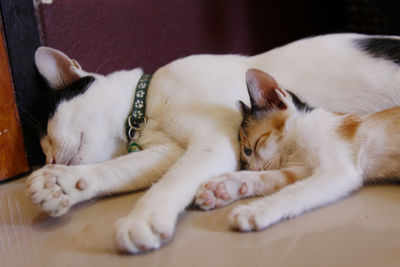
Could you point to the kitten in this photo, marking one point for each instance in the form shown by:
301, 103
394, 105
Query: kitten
192, 121
308, 156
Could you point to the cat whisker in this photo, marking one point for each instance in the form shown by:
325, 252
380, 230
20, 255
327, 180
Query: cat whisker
100, 66
29, 118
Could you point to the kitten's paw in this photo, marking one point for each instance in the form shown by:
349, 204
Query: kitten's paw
137, 234
55, 188
253, 217
220, 191
245, 218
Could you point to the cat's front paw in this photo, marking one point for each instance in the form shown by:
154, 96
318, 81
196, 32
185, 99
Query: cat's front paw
245, 218
253, 217
139, 233
220, 191
55, 188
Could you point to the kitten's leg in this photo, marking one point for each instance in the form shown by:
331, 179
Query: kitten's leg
55, 188
224, 189
153, 219
319, 189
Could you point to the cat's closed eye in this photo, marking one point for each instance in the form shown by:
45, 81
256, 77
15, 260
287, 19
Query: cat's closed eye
247, 151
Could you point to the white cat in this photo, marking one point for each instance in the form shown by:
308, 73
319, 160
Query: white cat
192, 122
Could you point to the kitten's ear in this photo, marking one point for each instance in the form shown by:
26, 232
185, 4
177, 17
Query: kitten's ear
264, 90
244, 109
56, 67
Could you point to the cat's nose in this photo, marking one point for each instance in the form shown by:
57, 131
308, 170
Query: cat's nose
256, 168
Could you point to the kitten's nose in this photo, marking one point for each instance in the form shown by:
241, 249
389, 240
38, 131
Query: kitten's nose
255, 168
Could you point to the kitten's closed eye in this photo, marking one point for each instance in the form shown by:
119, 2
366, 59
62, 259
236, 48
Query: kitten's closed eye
247, 151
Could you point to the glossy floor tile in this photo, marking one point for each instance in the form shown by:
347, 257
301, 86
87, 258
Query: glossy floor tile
360, 230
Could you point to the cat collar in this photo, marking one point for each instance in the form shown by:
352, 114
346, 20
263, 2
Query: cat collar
137, 119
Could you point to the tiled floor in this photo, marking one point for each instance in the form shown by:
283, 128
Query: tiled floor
361, 230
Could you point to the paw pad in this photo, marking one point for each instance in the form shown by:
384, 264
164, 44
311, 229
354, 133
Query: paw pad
81, 184
220, 192
243, 189
54, 189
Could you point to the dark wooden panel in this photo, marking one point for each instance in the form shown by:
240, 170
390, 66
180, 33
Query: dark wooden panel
22, 39
12, 152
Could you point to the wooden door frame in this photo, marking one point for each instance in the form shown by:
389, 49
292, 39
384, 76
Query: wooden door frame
12, 150
22, 38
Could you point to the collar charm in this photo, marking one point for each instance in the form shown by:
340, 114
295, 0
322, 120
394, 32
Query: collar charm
137, 119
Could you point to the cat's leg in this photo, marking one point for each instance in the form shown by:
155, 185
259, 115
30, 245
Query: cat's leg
321, 188
153, 219
222, 190
55, 188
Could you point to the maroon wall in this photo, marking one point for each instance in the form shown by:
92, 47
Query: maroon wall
106, 35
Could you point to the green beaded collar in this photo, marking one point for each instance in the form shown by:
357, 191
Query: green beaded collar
137, 119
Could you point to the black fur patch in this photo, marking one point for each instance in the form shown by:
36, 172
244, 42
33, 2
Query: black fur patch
64, 94
69, 91
300, 105
386, 48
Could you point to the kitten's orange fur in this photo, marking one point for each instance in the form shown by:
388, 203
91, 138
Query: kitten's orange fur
349, 126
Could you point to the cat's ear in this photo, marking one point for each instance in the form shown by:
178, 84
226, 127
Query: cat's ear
56, 67
244, 109
264, 91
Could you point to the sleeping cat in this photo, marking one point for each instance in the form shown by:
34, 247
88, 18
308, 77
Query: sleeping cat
190, 131
312, 156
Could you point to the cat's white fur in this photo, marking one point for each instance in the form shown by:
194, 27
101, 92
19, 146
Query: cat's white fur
191, 131
305, 158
